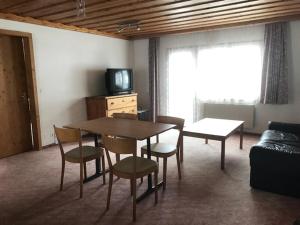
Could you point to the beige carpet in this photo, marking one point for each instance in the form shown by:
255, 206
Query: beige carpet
205, 195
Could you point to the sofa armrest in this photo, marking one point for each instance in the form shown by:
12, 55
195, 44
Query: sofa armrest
285, 127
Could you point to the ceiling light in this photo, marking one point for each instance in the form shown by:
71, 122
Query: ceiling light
80, 7
133, 24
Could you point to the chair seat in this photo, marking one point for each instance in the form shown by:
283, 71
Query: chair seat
125, 167
88, 153
160, 149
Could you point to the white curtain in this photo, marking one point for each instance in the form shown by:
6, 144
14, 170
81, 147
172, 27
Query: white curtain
221, 73
229, 73
181, 90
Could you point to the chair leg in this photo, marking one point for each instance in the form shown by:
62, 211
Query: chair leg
131, 187
117, 157
134, 199
142, 155
178, 165
62, 175
103, 169
157, 159
118, 160
81, 178
109, 190
164, 173
155, 183
84, 170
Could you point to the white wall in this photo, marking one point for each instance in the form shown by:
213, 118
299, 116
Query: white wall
264, 113
69, 66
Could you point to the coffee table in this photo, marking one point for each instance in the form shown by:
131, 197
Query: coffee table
214, 129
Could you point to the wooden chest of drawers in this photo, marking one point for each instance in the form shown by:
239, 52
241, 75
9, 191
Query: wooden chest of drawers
105, 106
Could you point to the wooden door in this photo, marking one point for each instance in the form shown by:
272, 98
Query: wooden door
15, 125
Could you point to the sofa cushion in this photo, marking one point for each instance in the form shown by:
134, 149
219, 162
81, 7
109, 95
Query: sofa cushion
276, 151
285, 127
275, 135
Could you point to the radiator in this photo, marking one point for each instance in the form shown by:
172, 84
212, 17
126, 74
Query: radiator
230, 111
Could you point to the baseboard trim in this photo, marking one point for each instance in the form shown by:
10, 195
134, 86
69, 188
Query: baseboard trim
48, 146
85, 136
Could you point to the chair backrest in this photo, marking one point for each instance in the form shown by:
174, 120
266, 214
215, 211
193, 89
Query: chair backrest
129, 116
179, 122
118, 145
66, 135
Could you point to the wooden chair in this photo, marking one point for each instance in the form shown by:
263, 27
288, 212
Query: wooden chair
129, 116
80, 154
164, 150
131, 167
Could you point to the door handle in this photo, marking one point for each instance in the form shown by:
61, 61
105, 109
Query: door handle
24, 96
25, 99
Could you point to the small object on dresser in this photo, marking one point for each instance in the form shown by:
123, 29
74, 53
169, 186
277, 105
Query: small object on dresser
143, 114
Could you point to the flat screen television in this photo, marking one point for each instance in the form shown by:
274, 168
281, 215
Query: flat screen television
119, 81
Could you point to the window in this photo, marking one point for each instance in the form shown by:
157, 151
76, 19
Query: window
220, 74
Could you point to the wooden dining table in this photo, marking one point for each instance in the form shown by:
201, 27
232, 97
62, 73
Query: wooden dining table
135, 129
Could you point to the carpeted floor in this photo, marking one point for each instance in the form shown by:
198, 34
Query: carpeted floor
205, 195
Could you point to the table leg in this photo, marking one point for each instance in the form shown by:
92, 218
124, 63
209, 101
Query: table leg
97, 161
206, 140
222, 154
150, 188
149, 157
98, 173
241, 136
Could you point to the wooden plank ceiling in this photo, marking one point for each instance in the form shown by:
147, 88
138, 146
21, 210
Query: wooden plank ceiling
154, 17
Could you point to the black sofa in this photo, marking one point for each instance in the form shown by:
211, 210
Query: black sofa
275, 160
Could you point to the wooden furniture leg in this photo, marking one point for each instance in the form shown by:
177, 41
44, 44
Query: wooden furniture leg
117, 157
149, 157
164, 173
134, 198
155, 183
81, 179
98, 172
131, 187
241, 136
181, 149
142, 179
62, 174
103, 169
150, 188
222, 154
84, 170
109, 190
178, 165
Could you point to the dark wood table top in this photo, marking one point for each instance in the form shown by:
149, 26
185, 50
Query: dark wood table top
136, 129
212, 127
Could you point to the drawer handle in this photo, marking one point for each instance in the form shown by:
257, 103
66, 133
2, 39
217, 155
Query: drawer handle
123, 100
132, 110
111, 103
132, 100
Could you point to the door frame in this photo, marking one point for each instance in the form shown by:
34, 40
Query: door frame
31, 84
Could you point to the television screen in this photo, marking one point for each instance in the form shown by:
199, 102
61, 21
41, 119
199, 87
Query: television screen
122, 80
119, 81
